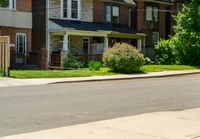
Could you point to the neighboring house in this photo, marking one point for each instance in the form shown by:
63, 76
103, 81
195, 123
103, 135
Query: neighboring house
86, 27
16, 22
154, 18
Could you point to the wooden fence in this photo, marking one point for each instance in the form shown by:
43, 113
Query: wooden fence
5, 55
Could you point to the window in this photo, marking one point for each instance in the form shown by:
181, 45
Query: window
21, 42
115, 14
65, 5
149, 16
74, 9
152, 13
155, 14
155, 37
71, 9
112, 14
8, 4
108, 13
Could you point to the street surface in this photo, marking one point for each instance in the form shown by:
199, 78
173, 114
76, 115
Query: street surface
34, 108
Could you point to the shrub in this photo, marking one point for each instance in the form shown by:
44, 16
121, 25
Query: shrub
1, 73
123, 58
94, 65
149, 61
70, 61
4, 3
165, 53
85, 64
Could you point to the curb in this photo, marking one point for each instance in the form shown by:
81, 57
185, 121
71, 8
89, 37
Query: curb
129, 78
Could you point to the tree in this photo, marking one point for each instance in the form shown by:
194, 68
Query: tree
187, 34
4, 3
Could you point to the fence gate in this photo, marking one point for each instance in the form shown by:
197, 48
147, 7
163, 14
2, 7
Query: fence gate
5, 55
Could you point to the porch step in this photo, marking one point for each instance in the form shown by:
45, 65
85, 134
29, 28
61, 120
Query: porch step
55, 68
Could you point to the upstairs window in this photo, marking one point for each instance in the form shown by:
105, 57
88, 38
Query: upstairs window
115, 14
74, 9
10, 4
71, 9
65, 6
152, 13
108, 13
112, 14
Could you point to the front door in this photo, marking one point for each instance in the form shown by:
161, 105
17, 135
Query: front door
21, 46
86, 45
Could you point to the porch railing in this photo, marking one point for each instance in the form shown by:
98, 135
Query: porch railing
21, 59
89, 57
56, 58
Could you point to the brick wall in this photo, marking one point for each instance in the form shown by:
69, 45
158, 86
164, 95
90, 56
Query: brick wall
162, 21
98, 15
124, 15
87, 10
39, 24
140, 15
99, 12
9, 31
24, 5
160, 27
55, 9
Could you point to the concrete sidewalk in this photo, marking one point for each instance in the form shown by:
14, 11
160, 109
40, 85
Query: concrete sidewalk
7, 82
159, 125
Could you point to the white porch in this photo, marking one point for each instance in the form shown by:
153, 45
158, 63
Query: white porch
87, 45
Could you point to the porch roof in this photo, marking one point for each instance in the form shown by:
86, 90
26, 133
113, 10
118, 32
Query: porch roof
129, 2
94, 27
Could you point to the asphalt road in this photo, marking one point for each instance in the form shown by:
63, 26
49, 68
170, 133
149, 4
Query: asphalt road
33, 108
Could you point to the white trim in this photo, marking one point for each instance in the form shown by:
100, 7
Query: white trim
65, 42
106, 43
25, 42
69, 10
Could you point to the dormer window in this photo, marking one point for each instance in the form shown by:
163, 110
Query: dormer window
71, 9
112, 14
10, 4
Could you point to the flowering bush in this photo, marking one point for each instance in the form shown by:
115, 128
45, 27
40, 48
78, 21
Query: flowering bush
123, 58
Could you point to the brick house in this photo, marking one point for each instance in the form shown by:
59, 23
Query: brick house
154, 18
88, 27
16, 22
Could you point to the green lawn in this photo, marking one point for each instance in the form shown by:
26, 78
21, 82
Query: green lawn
159, 68
23, 74
58, 73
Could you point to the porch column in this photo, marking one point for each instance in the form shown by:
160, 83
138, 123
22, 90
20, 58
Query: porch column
139, 44
65, 48
66, 42
11, 4
106, 43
